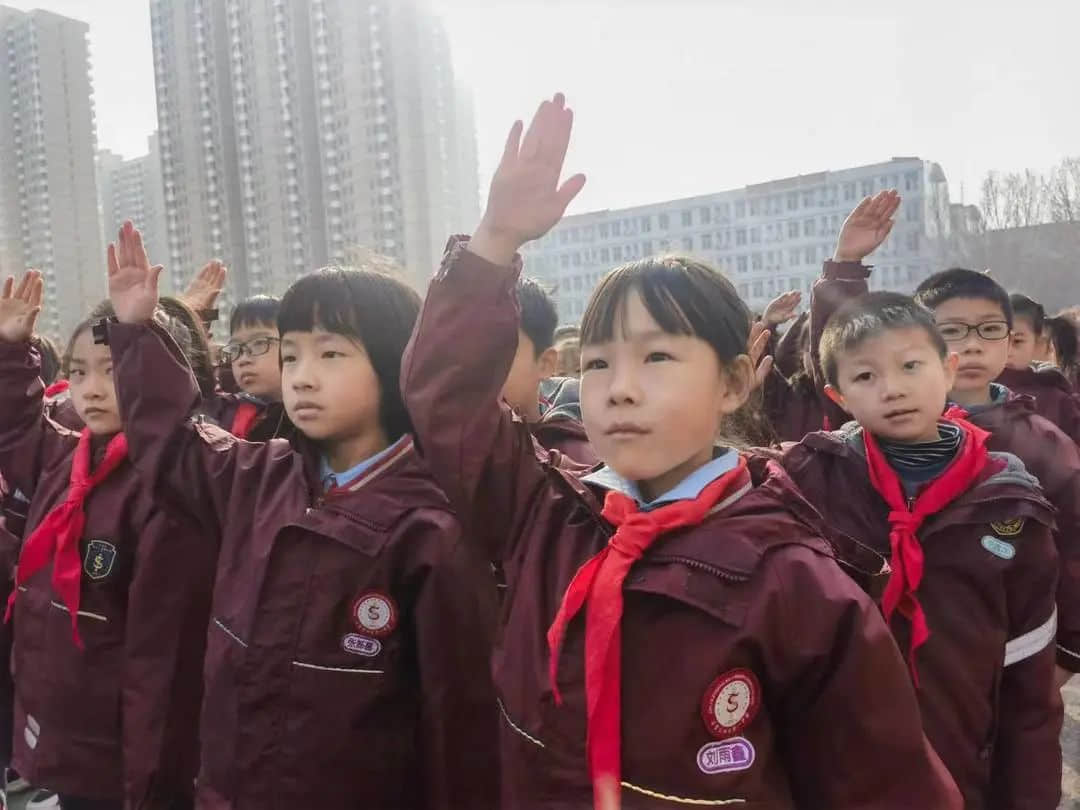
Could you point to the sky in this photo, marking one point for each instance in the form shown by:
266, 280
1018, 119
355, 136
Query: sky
681, 97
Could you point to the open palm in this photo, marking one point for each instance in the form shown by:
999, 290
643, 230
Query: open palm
203, 291
19, 307
133, 283
867, 226
526, 200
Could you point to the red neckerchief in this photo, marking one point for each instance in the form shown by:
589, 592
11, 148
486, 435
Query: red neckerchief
904, 522
599, 584
56, 389
56, 539
244, 419
955, 412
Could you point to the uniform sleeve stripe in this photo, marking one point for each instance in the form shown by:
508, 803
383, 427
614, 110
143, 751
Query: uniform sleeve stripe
1031, 642
1067, 651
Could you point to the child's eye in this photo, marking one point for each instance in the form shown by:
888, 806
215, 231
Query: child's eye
911, 365
288, 358
658, 357
594, 365
330, 354
863, 377
75, 373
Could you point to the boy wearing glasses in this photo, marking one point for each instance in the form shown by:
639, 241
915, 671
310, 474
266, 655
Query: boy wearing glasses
253, 357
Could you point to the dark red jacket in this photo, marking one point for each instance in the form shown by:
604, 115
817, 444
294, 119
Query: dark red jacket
271, 420
560, 425
306, 705
996, 727
1055, 398
117, 720
1054, 459
799, 406
752, 588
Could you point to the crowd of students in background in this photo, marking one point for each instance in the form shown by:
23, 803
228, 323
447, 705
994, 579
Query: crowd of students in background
373, 550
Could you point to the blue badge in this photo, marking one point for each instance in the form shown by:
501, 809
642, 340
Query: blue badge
100, 558
998, 547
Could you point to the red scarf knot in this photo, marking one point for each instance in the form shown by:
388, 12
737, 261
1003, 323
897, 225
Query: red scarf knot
907, 517
597, 586
56, 539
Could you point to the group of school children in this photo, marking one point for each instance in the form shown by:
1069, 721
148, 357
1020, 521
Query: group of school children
402, 565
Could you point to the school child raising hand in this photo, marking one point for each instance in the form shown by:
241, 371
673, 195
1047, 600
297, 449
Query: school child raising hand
675, 629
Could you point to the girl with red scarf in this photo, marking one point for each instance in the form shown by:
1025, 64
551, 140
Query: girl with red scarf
111, 599
675, 631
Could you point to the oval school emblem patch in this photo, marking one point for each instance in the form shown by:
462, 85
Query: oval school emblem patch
374, 614
1008, 528
724, 757
361, 645
731, 703
99, 560
999, 548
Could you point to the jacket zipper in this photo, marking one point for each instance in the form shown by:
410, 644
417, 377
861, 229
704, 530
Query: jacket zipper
700, 566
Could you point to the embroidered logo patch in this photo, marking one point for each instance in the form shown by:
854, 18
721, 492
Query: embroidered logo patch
736, 754
374, 614
100, 558
731, 703
1008, 528
999, 548
361, 645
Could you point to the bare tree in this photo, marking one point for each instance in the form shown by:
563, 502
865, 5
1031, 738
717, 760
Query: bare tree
1063, 191
992, 202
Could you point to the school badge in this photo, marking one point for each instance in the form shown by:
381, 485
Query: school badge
374, 614
731, 703
1008, 528
99, 560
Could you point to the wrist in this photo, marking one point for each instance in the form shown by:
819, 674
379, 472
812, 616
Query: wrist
494, 245
843, 257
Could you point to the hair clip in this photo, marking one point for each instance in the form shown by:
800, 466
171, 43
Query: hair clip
100, 331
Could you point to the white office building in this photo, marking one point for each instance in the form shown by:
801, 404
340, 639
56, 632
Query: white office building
132, 189
766, 238
48, 192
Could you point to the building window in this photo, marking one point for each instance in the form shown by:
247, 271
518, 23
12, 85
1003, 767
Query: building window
759, 289
912, 213
793, 201
808, 227
867, 188
755, 261
911, 181
794, 283
724, 210
807, 199
913, 240
616, 253
740, 236
688, 243
565, 260
605, 255
849, 192
772, 287
665, 222
809, 255
615, 228
793, 257
574, 235
755, 235
646, 224
793, 229
740, 209
687, 219
744, 290
754, 208
705, 215
577, 260
706, 241
740, 262
564, 237
603, 230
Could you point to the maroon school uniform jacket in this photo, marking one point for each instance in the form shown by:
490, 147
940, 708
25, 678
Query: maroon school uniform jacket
560, 425
347, 663
799, 406
1055, 398
270, 422
990, 573
117, 720
1054, 459
752, 592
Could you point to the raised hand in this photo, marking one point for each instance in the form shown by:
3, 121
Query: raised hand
755, 348
782, 309
867, 226
203, 291
526, 200
133, 283
19, 307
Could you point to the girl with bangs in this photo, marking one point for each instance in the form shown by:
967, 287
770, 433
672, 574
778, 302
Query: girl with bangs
675, 630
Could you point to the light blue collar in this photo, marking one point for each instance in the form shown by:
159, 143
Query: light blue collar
331, 479
686, 490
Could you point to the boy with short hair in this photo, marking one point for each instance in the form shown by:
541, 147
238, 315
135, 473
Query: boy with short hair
952, 540
550, 405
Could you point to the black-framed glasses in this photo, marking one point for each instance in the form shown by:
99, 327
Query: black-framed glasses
988, 330
231, 352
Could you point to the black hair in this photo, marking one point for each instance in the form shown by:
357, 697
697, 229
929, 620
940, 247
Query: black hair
370, 307
1032, 311
538, 314
869, 316
1063, 335
180, 321
50, 358
259, 310
683, 295
958, 282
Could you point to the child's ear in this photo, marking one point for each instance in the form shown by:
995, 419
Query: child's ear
548, 362
951, 363
834, 395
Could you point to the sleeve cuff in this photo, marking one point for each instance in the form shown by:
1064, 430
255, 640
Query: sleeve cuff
846, 270
478, 275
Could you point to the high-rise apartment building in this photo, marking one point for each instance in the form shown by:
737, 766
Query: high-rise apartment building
132, 189
296, 133
48, 192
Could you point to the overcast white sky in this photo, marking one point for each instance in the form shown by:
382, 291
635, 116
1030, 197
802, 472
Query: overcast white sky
680, 97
